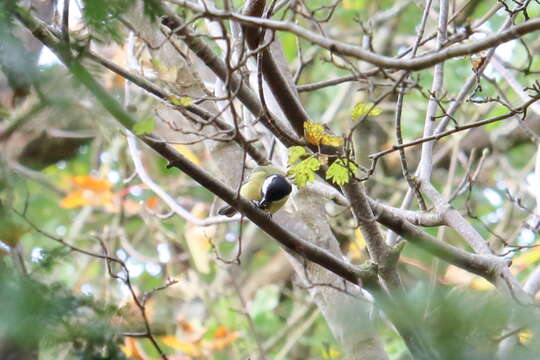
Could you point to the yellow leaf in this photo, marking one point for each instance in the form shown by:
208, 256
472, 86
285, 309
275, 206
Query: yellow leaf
332, 140
129, 348
525, 336
181, 101
525, 259
187, 348
481, 284
186, 151
356, 247
457, 276
330, 353
361, 109
198, 240
87, 182
353, 4
313, 132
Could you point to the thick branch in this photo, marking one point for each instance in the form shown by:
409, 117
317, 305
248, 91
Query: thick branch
504, 279
259, 217
482, 265
281, 88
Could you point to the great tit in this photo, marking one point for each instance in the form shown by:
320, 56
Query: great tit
267, 188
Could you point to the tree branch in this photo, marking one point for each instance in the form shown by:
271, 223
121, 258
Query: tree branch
419, 63
286, 97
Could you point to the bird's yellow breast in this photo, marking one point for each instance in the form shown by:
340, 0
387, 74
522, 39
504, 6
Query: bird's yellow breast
252, 188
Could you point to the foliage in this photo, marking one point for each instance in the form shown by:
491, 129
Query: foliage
341, 171
98, 262
144, 127
304, 171
182, 101
103, 17
361, 109
37, 315
315, 134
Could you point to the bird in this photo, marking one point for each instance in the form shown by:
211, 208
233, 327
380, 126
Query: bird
267, 187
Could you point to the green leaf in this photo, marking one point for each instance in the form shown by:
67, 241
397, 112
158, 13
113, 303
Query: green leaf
266, 300
304, 171
340, 171
152, 9
144, 127
361, 109
102, 16
180, 101
295, 153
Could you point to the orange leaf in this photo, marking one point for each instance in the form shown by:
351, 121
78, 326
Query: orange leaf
80, 198
313, 132
222, 338
129, 348
223, 341
88, 182
186, 326
221, 332
152, 202
74, 199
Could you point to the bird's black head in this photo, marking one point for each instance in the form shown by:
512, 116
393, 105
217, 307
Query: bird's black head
275, 187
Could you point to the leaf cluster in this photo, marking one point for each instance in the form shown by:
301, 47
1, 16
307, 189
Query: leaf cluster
303, 168
38, 315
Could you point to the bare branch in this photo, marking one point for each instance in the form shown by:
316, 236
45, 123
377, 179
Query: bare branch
359, 53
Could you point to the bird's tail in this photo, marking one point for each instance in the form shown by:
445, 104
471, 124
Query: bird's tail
227, 211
